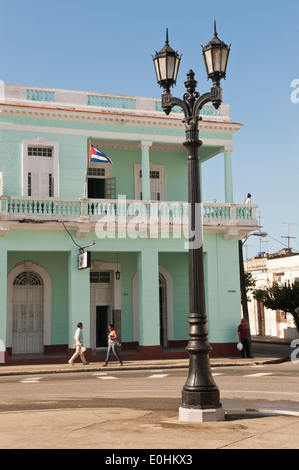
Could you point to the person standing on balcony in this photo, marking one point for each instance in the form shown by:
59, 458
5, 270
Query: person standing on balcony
248, 199
78, 345
243, 338
112, 345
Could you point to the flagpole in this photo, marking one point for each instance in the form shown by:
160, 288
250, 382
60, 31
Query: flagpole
85, 183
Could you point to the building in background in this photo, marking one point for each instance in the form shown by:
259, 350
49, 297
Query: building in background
129, 215
279, 267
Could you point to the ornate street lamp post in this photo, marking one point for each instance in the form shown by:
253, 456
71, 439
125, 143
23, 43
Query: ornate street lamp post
200, 395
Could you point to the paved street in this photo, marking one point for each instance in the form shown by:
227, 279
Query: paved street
136, 407
276, 349
256, 387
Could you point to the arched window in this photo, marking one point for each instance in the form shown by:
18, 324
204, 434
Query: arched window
28, 279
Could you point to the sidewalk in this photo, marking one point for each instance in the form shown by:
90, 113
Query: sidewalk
124, 431
270, 339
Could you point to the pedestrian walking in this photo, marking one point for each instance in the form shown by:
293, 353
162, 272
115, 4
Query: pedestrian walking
78, 344
243, 338
112, 345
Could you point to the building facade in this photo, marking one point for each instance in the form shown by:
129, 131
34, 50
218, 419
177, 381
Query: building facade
131, 216
279, 267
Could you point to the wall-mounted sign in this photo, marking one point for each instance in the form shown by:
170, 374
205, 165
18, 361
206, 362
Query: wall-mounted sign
84, 260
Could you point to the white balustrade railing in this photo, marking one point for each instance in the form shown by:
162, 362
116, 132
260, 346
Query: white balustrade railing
73, 99
16, 208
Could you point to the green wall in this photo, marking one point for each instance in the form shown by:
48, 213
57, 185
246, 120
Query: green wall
222, 284
223, 288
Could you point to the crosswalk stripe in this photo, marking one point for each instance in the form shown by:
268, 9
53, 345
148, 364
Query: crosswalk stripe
108, 377
157, 376
258, 375
31, 380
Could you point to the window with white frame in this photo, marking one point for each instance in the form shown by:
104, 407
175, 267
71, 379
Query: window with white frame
100, 277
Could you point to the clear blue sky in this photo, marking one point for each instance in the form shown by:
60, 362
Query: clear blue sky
106, 46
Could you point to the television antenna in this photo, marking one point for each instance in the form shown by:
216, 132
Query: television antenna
288, 236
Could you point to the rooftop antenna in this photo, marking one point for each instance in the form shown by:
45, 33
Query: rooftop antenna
288, 236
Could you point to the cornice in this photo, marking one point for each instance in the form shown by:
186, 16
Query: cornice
84, 228
95, 116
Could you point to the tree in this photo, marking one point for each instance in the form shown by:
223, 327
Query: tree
250, 283
284, 296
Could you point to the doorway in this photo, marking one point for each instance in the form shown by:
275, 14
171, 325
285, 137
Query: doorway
163, 311
96, 188
102, 326
157, 182
27, 314
101, 305
100, 184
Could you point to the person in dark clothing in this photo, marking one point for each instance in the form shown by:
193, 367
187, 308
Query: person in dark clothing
243, 338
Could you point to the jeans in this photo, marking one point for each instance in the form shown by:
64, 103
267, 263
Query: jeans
112, 347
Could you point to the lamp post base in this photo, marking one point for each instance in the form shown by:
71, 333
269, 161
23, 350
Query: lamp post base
197, 415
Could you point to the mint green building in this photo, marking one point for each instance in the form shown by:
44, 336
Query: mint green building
131, 216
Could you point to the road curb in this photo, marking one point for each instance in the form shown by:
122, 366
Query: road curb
67, 369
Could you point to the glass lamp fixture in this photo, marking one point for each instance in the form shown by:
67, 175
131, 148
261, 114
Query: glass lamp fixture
167, 63
215, 55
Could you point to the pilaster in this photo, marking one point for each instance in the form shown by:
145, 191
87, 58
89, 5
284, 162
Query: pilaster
228, 177
146, 184
3, 305
79, 300
148, 299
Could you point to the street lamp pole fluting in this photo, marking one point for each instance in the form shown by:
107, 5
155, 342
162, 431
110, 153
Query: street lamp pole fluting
200, 395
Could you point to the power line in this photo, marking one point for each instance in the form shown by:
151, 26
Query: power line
280, 242
81, 248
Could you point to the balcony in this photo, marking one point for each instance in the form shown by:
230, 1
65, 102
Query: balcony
83, 214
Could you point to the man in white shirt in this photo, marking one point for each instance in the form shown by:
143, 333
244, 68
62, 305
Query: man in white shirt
78, 345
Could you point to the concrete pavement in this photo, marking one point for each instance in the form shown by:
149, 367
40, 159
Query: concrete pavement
134, 429
115, 429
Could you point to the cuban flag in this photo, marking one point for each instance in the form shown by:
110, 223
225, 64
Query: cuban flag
96, 155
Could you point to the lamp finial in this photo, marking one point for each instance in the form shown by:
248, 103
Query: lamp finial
215, 30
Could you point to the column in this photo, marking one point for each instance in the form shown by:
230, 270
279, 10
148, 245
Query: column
228, 177
148, 303
3, 305
79, 302
145, 161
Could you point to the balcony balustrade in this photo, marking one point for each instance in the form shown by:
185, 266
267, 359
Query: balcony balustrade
72, 99
14, 208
